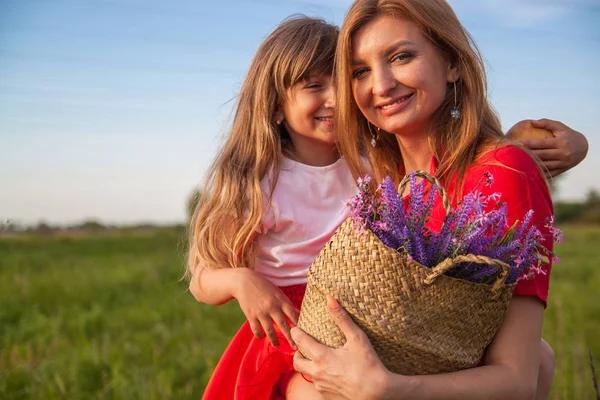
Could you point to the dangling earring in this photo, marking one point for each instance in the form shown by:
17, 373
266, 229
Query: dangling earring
374, 136
455, 112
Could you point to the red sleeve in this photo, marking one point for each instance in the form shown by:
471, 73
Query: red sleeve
521, 185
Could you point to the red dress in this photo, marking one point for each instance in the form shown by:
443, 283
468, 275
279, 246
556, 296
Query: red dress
251, 368
521, 185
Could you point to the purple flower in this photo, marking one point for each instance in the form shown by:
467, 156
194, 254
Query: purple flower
489, 178
477, 226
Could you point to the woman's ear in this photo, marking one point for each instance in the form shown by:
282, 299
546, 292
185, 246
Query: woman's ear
453, 74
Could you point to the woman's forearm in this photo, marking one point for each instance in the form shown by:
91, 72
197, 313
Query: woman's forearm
216, 286
485, 382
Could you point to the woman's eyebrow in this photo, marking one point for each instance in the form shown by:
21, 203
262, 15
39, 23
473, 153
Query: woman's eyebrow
396, 46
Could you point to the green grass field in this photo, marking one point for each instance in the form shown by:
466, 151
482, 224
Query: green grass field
107, 317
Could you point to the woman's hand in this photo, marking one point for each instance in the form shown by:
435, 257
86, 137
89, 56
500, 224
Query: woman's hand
353, 371
562, 152
263, 303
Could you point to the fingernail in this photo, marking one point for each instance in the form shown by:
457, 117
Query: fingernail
332, 303
293, 333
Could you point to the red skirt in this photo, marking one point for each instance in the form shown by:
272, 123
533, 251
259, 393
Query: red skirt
251, 368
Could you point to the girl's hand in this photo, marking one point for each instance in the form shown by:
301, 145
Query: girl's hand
562, 152
263, 303
353, 371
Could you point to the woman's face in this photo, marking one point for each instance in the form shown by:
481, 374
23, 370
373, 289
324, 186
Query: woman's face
399, 79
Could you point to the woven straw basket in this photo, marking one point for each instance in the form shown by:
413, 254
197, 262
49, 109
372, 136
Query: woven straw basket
418, 320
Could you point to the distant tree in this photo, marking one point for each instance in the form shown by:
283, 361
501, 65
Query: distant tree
91, 226
591, 215
43, 228
553, 184
593, 198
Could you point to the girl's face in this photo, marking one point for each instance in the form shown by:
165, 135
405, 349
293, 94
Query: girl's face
399, 79
308, 111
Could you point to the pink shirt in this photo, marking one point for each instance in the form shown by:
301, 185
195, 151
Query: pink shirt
307, 206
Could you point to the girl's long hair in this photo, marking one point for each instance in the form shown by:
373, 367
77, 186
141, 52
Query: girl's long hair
455, 143
224, 226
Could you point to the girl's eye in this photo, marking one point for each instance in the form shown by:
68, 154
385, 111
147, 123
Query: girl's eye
313, 85
359, 72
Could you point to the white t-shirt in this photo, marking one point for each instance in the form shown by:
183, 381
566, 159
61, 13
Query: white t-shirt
308, 205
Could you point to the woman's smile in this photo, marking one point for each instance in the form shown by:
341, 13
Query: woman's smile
395, 105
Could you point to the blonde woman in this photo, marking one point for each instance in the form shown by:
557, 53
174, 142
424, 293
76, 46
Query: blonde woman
412, 93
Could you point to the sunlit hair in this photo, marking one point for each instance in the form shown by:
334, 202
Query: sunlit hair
455, 143
224, 227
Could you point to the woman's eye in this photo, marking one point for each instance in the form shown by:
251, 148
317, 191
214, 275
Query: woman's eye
402, 57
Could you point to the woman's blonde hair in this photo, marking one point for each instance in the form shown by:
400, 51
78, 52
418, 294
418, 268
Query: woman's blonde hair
455, 143
222, 231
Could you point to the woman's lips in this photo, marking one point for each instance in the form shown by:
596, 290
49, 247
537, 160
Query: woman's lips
395, 106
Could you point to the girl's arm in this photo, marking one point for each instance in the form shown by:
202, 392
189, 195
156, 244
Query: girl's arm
509, 372
261, 301
562, 152
215, 286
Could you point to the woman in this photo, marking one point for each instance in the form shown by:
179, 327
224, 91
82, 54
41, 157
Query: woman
412, 92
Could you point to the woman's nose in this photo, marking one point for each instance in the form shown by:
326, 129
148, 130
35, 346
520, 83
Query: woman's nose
383, 81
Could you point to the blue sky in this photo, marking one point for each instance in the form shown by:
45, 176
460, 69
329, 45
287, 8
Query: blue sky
113, 109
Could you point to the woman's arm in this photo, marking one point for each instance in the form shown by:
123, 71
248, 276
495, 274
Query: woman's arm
560, 153
509, 371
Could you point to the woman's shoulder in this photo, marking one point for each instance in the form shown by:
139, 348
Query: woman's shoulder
510, 157
509, 166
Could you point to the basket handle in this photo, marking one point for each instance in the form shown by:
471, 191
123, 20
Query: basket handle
431, 179
450, 263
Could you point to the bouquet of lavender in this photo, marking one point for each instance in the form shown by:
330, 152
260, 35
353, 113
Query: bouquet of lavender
423, 296
475, 227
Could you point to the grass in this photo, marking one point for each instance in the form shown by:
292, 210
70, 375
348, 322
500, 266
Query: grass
107, 317
104, 317
572, 320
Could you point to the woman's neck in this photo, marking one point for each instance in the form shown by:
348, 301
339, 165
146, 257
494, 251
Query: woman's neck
416, 153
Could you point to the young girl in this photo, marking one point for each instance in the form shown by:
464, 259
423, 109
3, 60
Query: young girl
274, 196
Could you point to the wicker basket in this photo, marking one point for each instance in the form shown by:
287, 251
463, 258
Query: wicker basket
418, 320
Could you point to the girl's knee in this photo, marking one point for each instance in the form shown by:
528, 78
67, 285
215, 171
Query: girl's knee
546, 359
298, 388
546, 371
